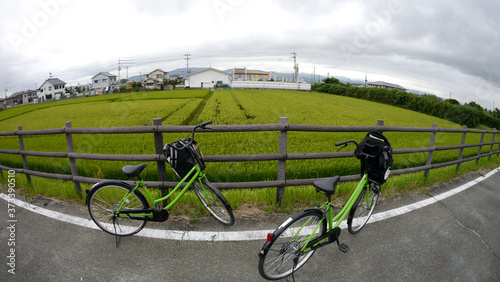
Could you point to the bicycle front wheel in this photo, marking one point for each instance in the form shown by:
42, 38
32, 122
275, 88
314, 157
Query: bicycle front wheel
283, 254
214, 201
362, 210
103, 202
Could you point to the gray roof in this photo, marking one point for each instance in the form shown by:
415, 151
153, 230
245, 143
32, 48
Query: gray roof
106, 74
55, 81
21, 93
157, 70
382, 83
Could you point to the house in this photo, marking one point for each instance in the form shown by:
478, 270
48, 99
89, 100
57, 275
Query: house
385, 85
51, 89
29, 96
22, 97
103, 83
2, 104
207, 78
154, 79
14, 99
179, 77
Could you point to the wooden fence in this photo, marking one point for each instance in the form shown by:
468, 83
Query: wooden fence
157, 130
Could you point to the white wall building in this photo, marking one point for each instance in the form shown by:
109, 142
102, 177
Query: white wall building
102, 83
51, 89
207, 78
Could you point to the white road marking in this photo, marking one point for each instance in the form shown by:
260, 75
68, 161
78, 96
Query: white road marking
237, 235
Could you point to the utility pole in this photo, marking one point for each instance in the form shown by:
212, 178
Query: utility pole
120, 63
6, 93
187, 62
119, 69
365, 78
295, 67
314, 75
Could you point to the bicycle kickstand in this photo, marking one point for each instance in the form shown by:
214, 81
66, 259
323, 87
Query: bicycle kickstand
117, 238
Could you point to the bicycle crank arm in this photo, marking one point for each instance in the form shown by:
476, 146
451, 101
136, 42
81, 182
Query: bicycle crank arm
326, 239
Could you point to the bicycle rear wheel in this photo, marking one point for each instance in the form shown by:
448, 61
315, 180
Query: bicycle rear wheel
103, 201
362, 210
282, 256
214, 201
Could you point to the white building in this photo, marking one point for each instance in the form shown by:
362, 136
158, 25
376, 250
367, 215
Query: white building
51, 89
103, 83
207, 78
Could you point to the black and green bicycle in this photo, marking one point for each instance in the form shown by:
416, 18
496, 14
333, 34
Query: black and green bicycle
293, 243
121, 209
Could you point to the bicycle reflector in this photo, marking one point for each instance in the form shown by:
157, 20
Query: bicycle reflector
269, 237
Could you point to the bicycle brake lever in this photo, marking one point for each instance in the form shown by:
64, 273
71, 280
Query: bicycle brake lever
345, 145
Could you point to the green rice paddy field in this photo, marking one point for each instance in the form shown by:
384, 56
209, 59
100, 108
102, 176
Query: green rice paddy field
224, 107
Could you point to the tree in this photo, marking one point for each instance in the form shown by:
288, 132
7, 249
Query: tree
452, 101
496, 113
331, 80
474, 105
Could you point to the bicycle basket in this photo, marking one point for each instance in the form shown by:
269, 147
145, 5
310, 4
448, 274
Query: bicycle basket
375, 154
183, 157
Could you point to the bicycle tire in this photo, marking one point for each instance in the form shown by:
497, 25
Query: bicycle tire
213, 200
104, 199
277, 257
361, 210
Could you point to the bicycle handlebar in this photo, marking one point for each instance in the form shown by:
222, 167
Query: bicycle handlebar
345, 143
201, 125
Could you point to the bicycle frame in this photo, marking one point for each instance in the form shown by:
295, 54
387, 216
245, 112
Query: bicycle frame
331, 220
194, 174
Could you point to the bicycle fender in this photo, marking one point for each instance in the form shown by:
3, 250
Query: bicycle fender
285, 224
104, 183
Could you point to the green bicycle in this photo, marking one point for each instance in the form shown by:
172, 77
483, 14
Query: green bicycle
293, 243
121, 209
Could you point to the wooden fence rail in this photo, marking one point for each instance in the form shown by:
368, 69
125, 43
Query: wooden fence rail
283, 127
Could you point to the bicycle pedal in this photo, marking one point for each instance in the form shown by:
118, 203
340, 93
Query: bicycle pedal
343, 248
157, 207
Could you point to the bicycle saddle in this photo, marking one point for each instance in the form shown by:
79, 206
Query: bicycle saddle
133, 170
328, 186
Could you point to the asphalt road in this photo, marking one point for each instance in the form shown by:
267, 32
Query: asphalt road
454, 239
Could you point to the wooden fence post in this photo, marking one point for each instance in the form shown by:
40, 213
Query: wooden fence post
480, 146
282, 149
21, 147
430, 153
460, 155
162, 171
492, 140
72, 161
498, 149
380, 122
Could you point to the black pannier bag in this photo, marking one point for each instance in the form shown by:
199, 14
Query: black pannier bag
182, 158
375, 153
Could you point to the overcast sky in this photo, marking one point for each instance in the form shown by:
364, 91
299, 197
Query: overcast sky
441, 47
